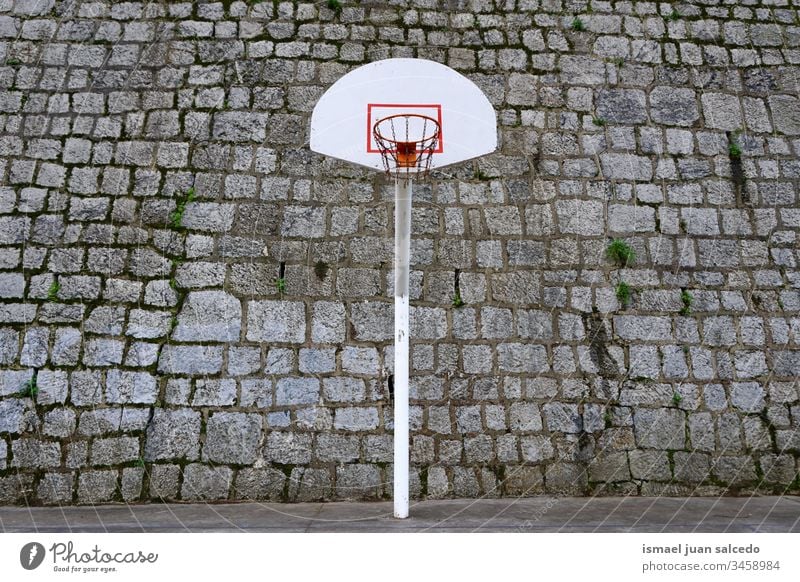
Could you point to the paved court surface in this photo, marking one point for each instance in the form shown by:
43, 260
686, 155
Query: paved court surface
540, 514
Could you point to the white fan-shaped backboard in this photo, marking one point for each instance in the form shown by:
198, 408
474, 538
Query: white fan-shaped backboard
342, 121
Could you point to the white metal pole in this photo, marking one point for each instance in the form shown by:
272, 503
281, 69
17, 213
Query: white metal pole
402, 250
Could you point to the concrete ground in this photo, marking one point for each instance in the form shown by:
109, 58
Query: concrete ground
539, 514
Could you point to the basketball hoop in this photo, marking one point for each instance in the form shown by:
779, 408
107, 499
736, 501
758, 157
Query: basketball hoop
403, 107
407, 142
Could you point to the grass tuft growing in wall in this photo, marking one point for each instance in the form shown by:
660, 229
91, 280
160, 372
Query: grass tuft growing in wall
52, 291
624, 292
29, 388
176, 218
620, 252
686, 299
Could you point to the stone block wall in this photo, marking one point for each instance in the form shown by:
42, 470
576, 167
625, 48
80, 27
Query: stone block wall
193, 306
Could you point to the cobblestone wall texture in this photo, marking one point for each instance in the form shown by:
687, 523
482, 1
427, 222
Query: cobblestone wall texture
193, 306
